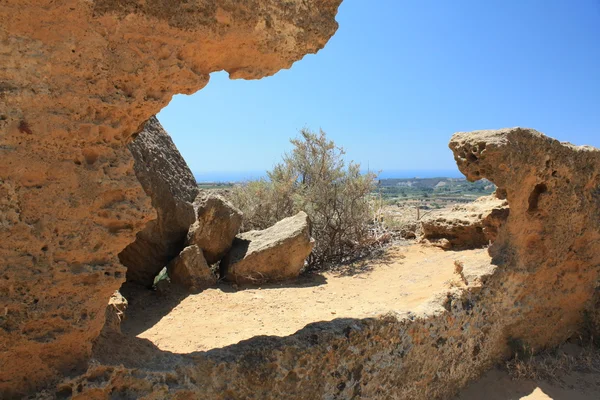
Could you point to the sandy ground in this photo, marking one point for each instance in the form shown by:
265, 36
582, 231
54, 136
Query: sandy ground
497, 385
400, 281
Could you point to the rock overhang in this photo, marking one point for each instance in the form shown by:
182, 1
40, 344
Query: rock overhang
78, 79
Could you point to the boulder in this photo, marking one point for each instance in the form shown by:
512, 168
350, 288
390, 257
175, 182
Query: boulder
191, 270
77, 80
274, 254
172, 188
217, 223
466, 226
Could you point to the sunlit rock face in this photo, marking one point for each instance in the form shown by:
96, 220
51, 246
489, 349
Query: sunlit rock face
466, 226
77, 79
550, 243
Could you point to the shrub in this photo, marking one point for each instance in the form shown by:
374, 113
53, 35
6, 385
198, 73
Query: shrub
313, 178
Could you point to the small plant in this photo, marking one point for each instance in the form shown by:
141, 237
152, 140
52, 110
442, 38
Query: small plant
162, 275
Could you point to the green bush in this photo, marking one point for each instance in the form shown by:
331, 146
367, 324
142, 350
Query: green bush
313, 178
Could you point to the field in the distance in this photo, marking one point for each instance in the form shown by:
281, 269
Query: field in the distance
431, 193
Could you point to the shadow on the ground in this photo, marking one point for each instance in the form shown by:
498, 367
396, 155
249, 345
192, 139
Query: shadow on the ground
164, 300
126, 350
140, 298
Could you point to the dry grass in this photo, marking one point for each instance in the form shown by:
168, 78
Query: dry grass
553, 366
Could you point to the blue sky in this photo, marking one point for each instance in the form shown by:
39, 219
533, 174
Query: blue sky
399, 77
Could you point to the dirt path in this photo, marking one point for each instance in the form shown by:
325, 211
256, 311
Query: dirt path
404, 279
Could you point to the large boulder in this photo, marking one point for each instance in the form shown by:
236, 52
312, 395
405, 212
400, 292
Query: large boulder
77, 80
171, 186
466, 226
274, 254
191, 270
217, 223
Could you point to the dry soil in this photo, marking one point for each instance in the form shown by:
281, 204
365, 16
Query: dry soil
404, 278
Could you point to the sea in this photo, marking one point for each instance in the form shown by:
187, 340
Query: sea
244, 176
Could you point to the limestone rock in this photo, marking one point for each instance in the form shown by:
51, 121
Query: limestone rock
115, 312
548, 248
168, 181
218, 221
274, 254
77, 80
466, 226
191, 270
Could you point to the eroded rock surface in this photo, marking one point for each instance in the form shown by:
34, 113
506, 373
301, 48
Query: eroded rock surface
217, 223
466, 226
171, 186
536, 293
115, 312
273, 254
77, 79
549, 245
190, 270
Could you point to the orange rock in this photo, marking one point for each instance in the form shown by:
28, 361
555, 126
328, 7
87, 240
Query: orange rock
77, 80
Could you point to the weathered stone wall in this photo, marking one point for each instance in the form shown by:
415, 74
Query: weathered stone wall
77, 79
536, 293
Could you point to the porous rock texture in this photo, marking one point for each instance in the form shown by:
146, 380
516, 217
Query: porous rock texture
217, 223
115, 312
535, 293
274, 254
171, 186
548, 248
466, 226
77, 79
190, 270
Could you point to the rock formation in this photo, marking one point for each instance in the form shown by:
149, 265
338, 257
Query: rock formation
168, 181
548, 248
190, 270
115, 312
274, 254
466, 226
217, 223
77, 80
538, 291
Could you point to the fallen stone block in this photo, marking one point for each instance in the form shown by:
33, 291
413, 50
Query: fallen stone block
466, 226
191, 270
217, 223
275, 254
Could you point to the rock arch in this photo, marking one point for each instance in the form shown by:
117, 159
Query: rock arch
77, 79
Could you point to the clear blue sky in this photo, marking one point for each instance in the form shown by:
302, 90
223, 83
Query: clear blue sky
399, 77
